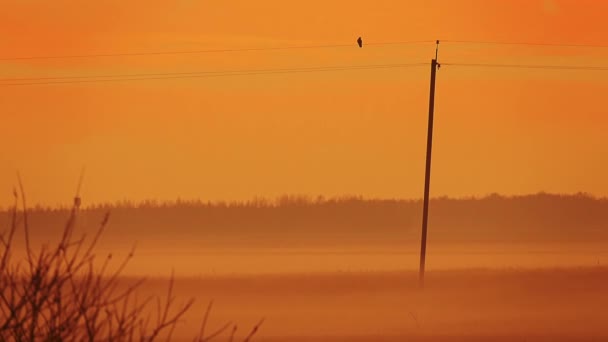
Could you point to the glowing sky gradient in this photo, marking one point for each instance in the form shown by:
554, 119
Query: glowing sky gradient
511, 131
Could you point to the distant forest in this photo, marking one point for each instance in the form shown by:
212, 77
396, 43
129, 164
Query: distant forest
302, 221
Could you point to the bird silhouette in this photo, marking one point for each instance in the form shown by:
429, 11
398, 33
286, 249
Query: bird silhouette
360, 42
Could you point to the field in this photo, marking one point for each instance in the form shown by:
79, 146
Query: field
499, 269
466, 305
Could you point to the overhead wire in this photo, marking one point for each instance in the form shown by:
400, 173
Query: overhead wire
214, 72
198, 74
253, 72
529, 66
225, 73
252, 49
296, 47
481, 42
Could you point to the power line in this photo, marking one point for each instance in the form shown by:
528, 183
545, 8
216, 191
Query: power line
530, 66
253, 72
524, 43
293, 47
201, 74
239, 71
253, 49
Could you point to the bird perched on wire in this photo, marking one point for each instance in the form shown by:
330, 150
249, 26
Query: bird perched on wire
360, 42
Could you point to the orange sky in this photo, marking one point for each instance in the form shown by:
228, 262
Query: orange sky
511, 131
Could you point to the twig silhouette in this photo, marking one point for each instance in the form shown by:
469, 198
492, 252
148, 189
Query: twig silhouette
62, 295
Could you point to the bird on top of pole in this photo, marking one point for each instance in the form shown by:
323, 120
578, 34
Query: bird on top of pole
360, 42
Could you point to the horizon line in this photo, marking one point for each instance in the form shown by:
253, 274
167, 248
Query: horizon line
286, 199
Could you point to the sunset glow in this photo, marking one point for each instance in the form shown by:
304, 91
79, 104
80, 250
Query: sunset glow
512, 131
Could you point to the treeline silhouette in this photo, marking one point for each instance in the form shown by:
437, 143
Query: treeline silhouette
303, 221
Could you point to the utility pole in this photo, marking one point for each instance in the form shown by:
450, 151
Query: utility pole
427, 175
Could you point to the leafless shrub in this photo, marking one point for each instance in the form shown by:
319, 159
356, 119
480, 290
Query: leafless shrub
60, 292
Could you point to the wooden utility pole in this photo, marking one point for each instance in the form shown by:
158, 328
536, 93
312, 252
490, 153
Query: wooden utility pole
427, 174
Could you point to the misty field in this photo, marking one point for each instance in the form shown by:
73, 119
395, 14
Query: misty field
466, 305
499, 269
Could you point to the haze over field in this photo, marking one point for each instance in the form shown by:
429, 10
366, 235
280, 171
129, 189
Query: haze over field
547, 305
298, 234
337, 270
